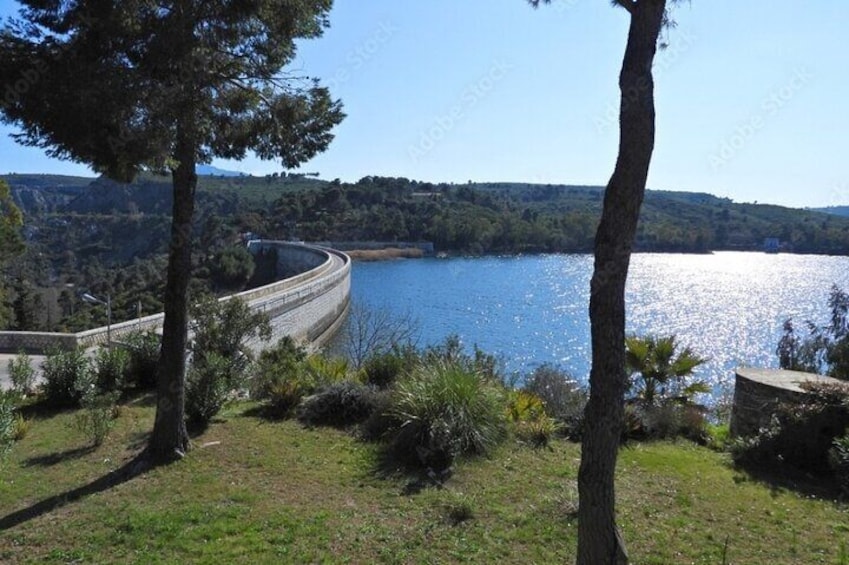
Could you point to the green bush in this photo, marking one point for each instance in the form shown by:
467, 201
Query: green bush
143, 362
7, 421
67, 376
838, 459
823, 348
97, 417
22, 374
666, 421
381, 424
280, 378
111, 365
531, 424
209, 383
220, 360
563, 399
445, 410
383, 369
799, 435
340, 404
326, 370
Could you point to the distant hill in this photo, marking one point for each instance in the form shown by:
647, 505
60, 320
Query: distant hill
834, 210
465, 218
148, 194
209, 170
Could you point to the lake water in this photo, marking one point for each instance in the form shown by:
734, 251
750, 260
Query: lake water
530, 310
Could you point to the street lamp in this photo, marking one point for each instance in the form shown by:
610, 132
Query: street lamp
91, 299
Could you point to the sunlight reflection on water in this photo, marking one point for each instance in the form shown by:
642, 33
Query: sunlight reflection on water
727, 306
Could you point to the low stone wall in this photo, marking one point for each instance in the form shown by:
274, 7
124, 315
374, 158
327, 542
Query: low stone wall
35, 343
308, 306
757, 393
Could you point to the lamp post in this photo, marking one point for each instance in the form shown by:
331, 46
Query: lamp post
91, 299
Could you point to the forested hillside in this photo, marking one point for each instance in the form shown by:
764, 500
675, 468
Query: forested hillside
101, 237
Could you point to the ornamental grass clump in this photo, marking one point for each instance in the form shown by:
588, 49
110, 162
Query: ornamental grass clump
527, 416
339, 404
445, 409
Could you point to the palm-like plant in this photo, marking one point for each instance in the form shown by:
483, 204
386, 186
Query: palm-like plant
658, 370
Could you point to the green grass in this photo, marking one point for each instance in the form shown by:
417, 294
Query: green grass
253, 491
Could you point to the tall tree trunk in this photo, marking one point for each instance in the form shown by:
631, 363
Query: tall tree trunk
599, 540
170, 439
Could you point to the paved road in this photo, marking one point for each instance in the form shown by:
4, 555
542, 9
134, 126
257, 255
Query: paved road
5, 383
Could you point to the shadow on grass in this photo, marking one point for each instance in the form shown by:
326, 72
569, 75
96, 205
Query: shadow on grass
783, 478
138, 440
54, 458
267, 413
390, 463
41, 409
130, 470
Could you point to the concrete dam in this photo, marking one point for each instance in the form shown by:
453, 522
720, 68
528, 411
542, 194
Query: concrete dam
308, 303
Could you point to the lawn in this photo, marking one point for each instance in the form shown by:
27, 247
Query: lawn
254, 491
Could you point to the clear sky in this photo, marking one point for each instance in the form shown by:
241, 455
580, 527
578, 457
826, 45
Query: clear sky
751, 96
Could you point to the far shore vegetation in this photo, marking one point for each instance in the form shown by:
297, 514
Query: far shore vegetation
105, 238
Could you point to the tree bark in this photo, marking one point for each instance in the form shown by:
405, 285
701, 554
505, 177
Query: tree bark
170, 439
599, 540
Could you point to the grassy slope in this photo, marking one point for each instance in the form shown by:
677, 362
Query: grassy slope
276, 492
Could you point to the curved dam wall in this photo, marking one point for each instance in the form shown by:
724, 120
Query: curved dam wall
308, 306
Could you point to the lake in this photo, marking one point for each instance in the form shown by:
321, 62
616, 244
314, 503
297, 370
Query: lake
530, 310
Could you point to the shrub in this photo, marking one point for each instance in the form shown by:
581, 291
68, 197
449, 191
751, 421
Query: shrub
280, 377
97, 418
524, 406
324, 370
825, 348
531, 424
838, 459
561, 396
20, 428
381, 423
7, 421
383, 369
799, 435
339, 404
143, 359
22, 374
67, 376
446, 410
538, 432
665, 421
209, 382
110, 368
223, 327
220, 360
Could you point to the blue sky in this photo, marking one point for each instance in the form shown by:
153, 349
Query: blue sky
751, 96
